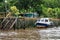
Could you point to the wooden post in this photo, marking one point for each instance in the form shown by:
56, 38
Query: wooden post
15, 24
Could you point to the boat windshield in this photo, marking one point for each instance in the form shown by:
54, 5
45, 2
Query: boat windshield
46, 20
42, 20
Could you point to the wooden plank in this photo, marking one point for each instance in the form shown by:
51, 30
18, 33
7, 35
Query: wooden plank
5, 17
6, 24
13, 23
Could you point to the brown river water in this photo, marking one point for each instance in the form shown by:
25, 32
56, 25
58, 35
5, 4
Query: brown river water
31, 34
27, 34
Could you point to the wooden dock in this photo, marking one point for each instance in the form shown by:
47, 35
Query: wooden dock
8, 23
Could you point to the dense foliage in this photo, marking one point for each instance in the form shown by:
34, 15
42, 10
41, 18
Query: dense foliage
45, 8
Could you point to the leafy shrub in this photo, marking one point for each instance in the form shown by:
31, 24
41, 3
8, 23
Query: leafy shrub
14, 10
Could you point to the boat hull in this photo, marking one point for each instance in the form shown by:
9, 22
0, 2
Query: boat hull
41, 25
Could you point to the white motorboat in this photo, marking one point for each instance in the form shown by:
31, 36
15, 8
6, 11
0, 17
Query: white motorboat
45, 22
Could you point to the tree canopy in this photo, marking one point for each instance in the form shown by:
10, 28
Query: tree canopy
45, 8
